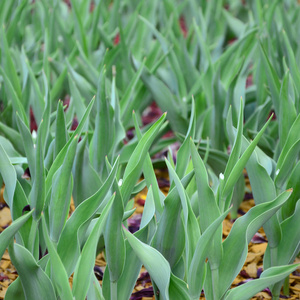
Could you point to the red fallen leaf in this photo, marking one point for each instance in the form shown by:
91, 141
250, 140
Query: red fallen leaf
92, 6
74, 123
98, 272
183, 26
143, 279
66, 102
163, 182
259, 271
168, 134
241, 212
2, 205
33, 125
244, 274
141, 202
258, 239
248, 196
249, 81
25, 209
129, 133
296, 273
26, 174
245, 281
151, 113
117, 39
274, 115
3, 277
134, 223
231, 41
147, 292
68, 2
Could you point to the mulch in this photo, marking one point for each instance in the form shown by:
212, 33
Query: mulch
143, 289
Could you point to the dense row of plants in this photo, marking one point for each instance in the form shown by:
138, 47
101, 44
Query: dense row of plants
226, 74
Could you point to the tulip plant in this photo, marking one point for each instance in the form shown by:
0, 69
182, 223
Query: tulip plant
226, 75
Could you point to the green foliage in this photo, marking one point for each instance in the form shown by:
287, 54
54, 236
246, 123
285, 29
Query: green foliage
225, 80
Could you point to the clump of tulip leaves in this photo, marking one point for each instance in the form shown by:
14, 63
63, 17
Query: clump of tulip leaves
107, 60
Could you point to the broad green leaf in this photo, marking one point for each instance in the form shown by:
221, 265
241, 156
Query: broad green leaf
273, 79
237, 145
8, 64
170, 225
38, 101
69, 243
206, 59
9, 176
149, 208
288, 247
20, 201
287, 113
287, 166
241, 163
86, 179
268, 277
77, 100
149, 174
192, 230
79, 30
60, 129
154, 262
59, 275
62, 185
133, 265
95, 290
36, 284
85, 88
183, 154
58, 85
28, 144
264, 191
16, 102
8, 234
292, 138
119, 131
196, 270
103, 128
38, 196
235, 247
128, 94
135, 164
13, 136
208, 208
288, 209
236, 25
176, 73
15, 291
165, 100
178, 288
8, 148
292, 60
114, 243
61, 156
84, 268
